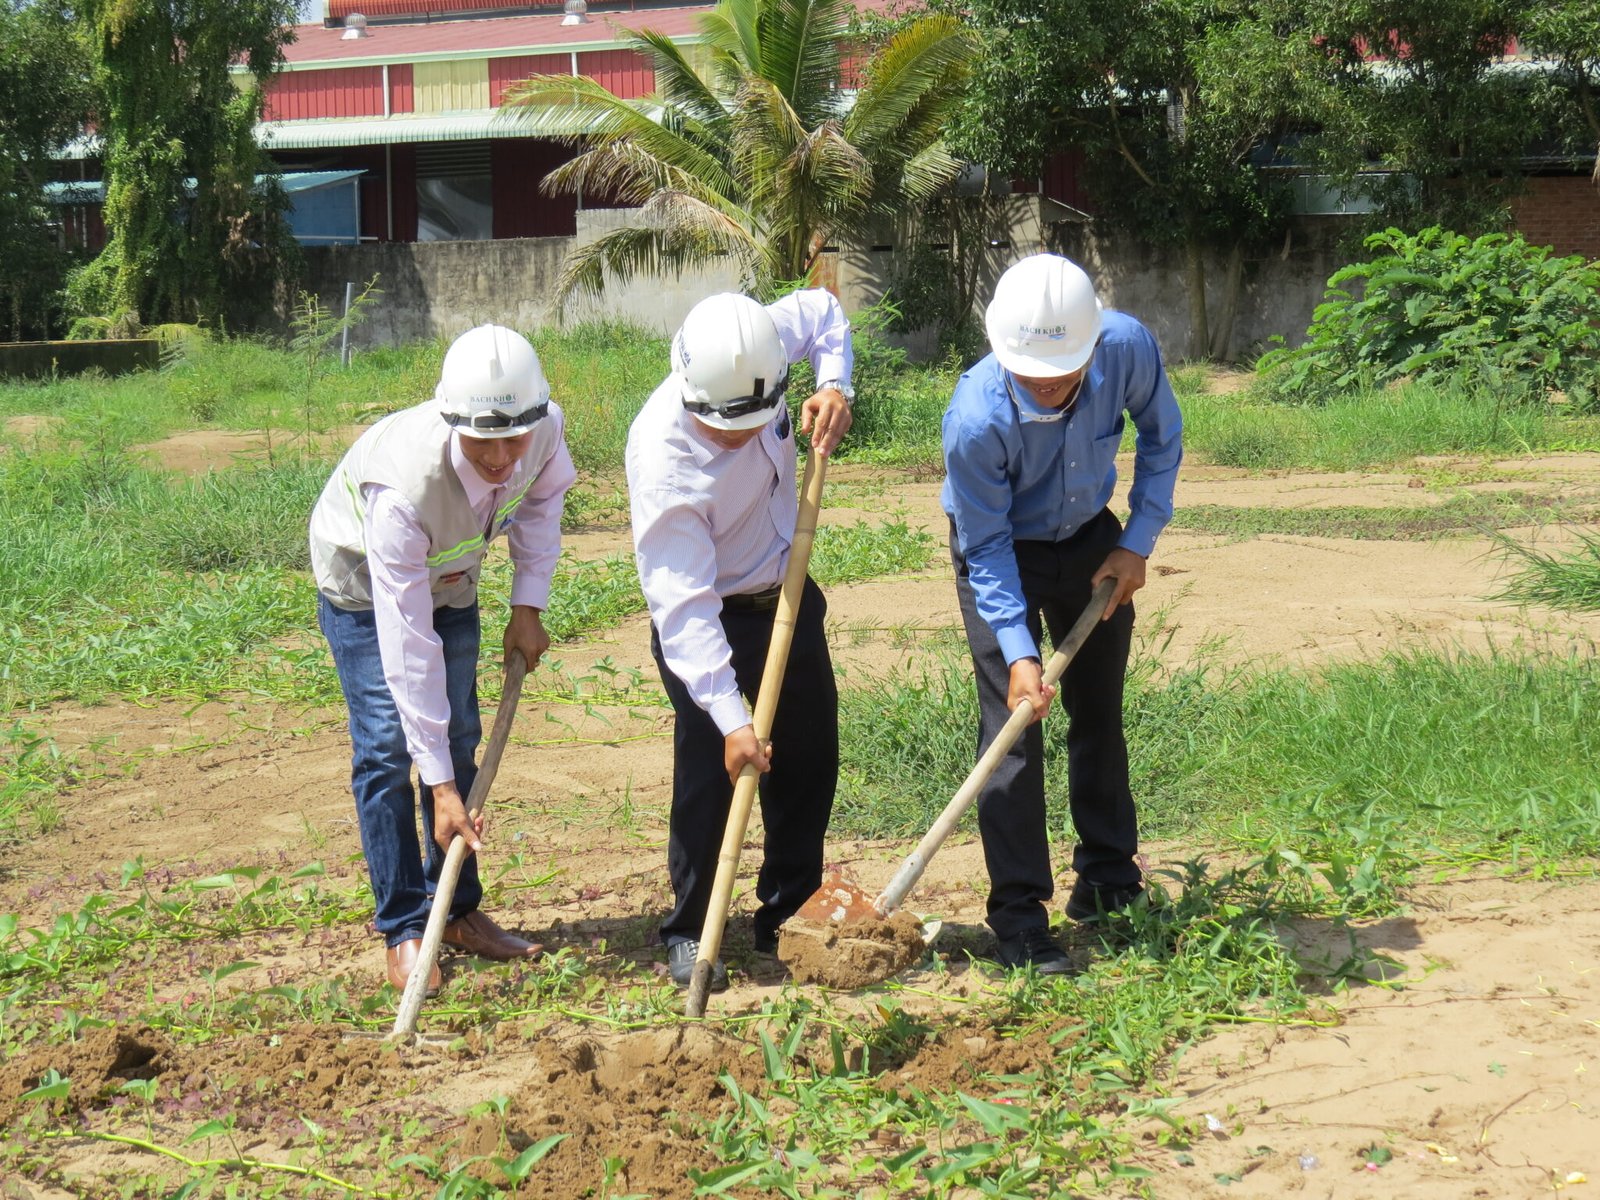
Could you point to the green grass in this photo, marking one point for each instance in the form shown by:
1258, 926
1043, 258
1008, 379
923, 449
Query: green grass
1459, 514
1469, 753
1244, 429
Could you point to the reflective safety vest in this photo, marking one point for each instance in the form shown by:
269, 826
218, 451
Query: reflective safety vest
410, 452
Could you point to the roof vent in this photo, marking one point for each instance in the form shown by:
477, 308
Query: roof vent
576, 13
355, 26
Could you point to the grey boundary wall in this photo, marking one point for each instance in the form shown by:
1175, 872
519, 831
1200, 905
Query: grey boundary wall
435, 290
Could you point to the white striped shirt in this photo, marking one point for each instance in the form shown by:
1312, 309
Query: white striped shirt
709, 522
402, 600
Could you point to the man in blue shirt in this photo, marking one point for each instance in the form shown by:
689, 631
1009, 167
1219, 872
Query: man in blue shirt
1030, 443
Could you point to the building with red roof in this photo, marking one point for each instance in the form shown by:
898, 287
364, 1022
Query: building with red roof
410, 92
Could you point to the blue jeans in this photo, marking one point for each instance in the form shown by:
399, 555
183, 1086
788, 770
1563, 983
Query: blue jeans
380, 777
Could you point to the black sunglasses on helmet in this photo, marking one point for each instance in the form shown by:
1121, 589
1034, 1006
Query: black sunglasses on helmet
495, 420
741, 406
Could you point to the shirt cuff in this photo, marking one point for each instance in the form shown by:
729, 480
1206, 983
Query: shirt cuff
729, 713
435, 767
531, 590
1140, 536
1016, 642
832, 366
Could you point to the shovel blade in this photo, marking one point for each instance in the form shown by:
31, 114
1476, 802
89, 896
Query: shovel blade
838, 902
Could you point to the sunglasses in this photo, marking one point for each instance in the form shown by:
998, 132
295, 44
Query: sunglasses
742, 406
485, 421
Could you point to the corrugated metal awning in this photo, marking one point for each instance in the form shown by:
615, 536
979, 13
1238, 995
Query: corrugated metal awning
381, 131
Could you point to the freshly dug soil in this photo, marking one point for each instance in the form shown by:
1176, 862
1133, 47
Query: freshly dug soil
850, 956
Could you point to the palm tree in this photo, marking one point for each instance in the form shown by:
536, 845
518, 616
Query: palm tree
754, 151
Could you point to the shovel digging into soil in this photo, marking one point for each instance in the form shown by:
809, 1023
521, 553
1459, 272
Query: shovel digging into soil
845, 937
405, 1021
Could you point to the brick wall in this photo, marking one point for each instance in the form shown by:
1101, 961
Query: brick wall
1562, 211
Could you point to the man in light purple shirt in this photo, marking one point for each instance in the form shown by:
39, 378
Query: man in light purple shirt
398, 538
711, 480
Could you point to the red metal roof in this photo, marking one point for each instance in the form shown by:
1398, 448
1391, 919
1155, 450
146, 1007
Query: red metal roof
398, 43
383, 9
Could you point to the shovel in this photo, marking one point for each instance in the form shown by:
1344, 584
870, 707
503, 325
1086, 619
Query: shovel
405, 1021
841, 902
744, 791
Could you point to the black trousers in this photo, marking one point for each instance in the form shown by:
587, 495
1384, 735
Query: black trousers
796, 795
1011, 807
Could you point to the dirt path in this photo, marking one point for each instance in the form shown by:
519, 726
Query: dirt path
1476, 1076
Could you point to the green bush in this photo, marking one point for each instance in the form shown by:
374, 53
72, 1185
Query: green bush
1436, 306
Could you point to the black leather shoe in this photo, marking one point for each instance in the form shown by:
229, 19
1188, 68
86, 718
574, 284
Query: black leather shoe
680, 965
1092, 902
766, 943
1036, 948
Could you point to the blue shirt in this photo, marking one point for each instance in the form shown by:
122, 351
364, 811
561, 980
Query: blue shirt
1010, 476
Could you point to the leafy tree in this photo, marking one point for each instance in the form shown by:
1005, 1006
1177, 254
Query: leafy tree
1420, 90
44, 98
186, 219
749, 147
1568, 32
1172, 102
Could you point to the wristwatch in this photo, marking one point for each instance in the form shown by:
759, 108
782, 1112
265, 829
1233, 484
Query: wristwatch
844, 389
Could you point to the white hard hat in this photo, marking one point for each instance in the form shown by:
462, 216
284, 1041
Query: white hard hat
730, 362
491, 384
1044, 319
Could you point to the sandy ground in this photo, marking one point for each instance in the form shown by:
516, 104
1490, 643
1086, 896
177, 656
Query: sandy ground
1473, 1065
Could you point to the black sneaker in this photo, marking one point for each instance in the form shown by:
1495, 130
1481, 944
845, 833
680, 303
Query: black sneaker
1034, 947
766, 943
680, 965
1093, 902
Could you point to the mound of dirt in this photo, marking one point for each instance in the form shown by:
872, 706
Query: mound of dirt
852, 955
98, 1064
638, 1100
961, 1055
305, 1068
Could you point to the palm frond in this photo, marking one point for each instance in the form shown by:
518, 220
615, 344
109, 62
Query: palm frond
800, 53
625, 172
733, 31
649, 250
929, 57
579, 111
678, 84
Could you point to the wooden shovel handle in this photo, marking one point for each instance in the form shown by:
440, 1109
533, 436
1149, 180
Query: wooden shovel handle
744, 791
405, 1021
911, 870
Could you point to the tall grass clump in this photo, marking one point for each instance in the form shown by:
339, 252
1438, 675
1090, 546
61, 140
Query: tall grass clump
1568, 581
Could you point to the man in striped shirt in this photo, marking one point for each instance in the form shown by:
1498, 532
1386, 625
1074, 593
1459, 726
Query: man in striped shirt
398, 538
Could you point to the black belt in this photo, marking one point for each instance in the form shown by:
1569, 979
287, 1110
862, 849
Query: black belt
762, 601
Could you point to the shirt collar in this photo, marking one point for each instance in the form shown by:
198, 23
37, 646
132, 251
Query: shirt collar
476, 486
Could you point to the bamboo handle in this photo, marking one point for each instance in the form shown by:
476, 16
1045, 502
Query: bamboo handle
405, 1021
911, 870
744, 792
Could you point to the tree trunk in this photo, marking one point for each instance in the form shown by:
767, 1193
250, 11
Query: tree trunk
1199, 334
1222, 335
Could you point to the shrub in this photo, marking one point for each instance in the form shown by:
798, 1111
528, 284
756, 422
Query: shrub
1437, 305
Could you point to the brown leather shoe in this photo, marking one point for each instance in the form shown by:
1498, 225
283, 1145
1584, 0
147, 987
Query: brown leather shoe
403, 960
477, 934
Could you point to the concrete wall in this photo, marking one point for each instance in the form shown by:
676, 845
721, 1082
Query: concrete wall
438, 289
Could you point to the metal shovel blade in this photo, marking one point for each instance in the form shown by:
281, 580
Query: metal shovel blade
838, 902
